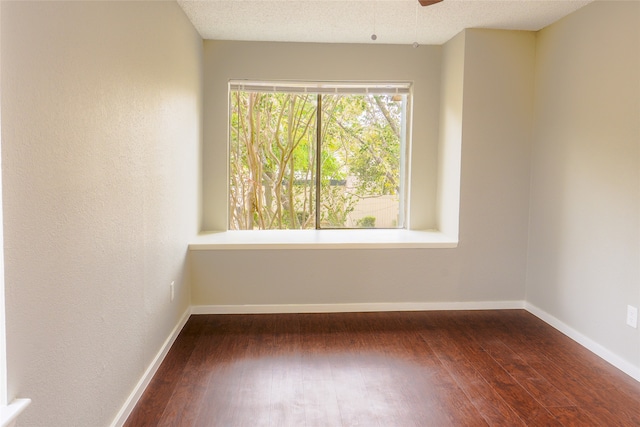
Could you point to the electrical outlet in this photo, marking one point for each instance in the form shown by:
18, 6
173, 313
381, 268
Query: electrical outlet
172, 287
632, 316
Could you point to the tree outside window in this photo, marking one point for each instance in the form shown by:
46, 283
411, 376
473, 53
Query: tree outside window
276, 138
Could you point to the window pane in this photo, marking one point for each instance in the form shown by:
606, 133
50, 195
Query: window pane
271, 160
361, 180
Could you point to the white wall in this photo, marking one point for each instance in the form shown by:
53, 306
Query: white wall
584, 251
489, 263
101, 127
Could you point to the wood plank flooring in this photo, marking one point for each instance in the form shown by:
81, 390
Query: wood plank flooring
453, 368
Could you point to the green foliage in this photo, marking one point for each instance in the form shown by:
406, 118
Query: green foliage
367, 222
337, 204
273, 155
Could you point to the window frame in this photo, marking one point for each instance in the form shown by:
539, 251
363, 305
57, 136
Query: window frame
321, 88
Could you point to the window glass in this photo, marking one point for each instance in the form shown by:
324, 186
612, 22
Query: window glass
276, 135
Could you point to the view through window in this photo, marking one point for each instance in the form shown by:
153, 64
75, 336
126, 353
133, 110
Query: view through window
317, 156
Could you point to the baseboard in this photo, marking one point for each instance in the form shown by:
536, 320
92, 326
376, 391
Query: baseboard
135, 395
354, 307
626, 367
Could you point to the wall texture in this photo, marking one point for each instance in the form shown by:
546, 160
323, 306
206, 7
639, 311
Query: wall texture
584, 251
489, 263
101, 124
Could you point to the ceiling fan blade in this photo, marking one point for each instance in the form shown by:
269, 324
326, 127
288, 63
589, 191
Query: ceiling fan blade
428, 2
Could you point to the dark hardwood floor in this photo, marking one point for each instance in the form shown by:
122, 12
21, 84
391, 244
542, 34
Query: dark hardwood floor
464, 368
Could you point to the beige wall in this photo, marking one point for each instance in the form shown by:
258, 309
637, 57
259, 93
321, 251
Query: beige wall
450, 138
3, 341
496, 145
489, 263
100, 144
316, 62
584, 251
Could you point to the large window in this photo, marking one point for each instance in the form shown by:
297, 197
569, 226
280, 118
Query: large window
317, 155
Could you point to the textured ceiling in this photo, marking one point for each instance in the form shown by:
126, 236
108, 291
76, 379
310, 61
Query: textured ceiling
393, 21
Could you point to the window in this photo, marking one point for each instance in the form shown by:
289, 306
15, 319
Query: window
317, 155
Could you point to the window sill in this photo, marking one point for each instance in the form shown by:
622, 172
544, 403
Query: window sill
9, 413
321, 239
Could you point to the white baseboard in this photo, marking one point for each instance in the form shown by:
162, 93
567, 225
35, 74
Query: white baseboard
626, 367
354, 307
135, 395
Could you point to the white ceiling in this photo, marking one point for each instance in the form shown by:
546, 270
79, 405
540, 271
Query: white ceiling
354, 21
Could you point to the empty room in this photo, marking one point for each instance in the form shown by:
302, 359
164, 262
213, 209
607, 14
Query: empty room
320, 213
